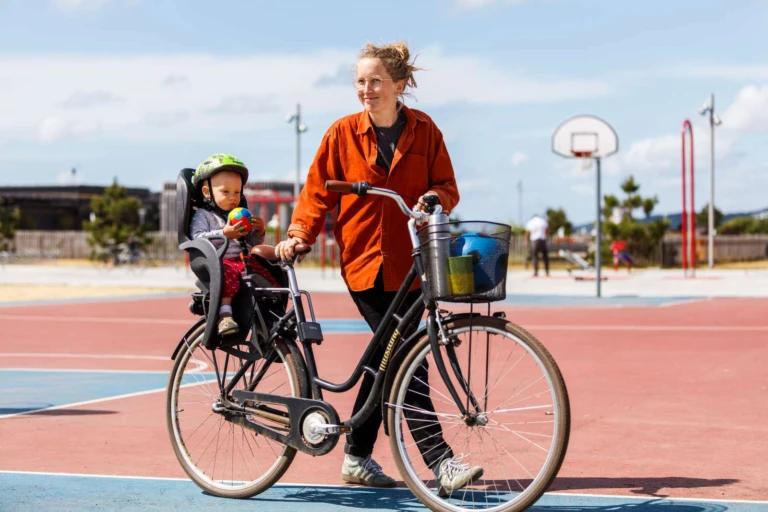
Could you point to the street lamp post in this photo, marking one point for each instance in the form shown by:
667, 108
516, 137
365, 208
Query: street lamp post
709, 110
300, 128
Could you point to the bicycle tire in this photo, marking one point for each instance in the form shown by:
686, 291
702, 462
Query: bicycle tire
292, 361
397, 418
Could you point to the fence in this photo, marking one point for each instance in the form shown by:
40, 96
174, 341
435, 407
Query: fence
727, 248
163, 247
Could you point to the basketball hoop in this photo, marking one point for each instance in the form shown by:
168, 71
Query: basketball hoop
585, 157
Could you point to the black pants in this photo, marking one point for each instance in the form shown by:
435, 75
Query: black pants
373, 304
539, 246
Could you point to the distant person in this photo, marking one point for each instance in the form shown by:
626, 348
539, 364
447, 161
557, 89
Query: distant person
620, 255
536, 232
221, 178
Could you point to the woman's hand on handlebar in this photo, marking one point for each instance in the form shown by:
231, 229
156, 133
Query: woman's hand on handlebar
285, 249
422, 203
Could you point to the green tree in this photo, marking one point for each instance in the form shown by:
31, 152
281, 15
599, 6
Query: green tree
9, 220
115, 220
702, 218
642, 238
557, 219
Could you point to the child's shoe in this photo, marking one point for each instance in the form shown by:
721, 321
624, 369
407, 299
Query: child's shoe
227, 325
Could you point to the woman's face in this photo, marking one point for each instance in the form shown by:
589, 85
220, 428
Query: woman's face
375, 88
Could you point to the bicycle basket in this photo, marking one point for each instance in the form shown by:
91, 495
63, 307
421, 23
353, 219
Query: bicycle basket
465, 261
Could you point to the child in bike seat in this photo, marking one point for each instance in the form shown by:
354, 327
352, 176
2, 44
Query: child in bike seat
221, 178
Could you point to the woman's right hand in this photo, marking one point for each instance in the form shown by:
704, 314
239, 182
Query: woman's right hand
285, 249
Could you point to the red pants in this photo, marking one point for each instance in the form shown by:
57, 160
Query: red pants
233, 269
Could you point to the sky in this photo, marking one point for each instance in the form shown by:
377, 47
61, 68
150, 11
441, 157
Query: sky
138, 89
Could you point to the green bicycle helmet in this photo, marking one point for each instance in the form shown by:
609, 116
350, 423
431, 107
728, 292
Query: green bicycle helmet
218, 163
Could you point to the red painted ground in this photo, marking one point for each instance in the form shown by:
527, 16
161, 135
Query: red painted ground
678, 412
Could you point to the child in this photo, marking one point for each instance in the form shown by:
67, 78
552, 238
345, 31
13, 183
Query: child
221, 178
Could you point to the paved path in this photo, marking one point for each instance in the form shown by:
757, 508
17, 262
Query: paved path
644, 283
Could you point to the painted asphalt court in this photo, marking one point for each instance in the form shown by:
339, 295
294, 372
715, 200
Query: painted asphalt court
32, 492
27, 391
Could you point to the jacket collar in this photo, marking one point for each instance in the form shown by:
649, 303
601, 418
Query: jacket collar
364, 121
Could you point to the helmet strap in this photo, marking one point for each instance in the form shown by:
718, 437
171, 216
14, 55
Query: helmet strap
211, 202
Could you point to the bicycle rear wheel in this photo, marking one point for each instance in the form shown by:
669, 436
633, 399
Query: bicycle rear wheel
220, 456
519, 432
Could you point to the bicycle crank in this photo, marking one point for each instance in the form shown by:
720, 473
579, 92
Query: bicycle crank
312, 425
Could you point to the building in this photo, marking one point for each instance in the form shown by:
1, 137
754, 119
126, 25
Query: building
67, 207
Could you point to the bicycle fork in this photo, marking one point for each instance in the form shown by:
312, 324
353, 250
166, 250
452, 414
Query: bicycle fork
437, 336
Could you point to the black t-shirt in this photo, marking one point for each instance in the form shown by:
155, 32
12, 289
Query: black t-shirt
386, 139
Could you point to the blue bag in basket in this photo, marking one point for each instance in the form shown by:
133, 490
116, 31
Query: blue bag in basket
489, 258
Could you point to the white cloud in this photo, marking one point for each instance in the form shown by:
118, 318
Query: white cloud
73, 5
653, 153
84, 5
721, 72
126, 95
52, 129
477, 4
518, 158
749, 111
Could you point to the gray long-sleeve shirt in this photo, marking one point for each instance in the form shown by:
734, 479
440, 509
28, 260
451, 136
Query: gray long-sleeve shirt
205, 223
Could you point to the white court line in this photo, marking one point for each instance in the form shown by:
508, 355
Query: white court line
84, 356
200, 365
549, 327
97, 319
402, 489
86, 402
83, 370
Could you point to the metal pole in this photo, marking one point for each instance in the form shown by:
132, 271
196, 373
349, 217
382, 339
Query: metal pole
599, 246
520, 202
711, 226
297, 185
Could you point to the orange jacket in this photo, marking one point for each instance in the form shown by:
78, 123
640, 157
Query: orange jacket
372, 230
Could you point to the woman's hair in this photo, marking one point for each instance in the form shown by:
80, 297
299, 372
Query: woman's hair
395, 57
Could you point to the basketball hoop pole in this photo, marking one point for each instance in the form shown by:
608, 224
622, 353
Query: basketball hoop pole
599, 241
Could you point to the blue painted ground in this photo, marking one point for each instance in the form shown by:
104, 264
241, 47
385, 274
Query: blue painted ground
24, 391
31, 492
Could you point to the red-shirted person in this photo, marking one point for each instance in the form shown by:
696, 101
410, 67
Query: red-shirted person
620, 255
401, 149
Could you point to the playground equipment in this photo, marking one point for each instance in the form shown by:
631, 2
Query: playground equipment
688, 225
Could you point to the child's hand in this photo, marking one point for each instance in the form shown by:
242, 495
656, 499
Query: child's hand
258, 225
233, 232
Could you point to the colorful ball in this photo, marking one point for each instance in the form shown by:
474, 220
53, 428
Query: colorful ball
241, 216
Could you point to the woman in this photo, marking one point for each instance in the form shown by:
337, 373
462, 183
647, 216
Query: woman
393, 147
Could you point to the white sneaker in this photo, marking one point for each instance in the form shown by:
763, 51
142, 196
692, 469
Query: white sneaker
366, 472
453, 475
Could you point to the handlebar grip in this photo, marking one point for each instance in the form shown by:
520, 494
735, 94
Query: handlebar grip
342, 187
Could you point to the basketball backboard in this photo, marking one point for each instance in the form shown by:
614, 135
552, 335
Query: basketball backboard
585, 137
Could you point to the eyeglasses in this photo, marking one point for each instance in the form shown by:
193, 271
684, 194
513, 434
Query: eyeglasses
375, 83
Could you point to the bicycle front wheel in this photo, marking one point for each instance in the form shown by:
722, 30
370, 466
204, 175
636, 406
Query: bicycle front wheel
220, 456
503, 455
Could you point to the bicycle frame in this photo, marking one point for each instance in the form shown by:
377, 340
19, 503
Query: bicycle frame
296, 318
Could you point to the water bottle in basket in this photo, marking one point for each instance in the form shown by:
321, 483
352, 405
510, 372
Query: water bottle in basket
438, 251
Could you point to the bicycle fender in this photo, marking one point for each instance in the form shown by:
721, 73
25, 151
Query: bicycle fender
398, 357
196, 325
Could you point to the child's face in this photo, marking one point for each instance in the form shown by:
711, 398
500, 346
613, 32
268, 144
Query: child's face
227, 187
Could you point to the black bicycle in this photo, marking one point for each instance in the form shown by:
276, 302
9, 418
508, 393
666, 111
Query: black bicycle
239, 409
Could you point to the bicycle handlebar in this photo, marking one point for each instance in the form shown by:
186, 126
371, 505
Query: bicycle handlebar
361, 188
